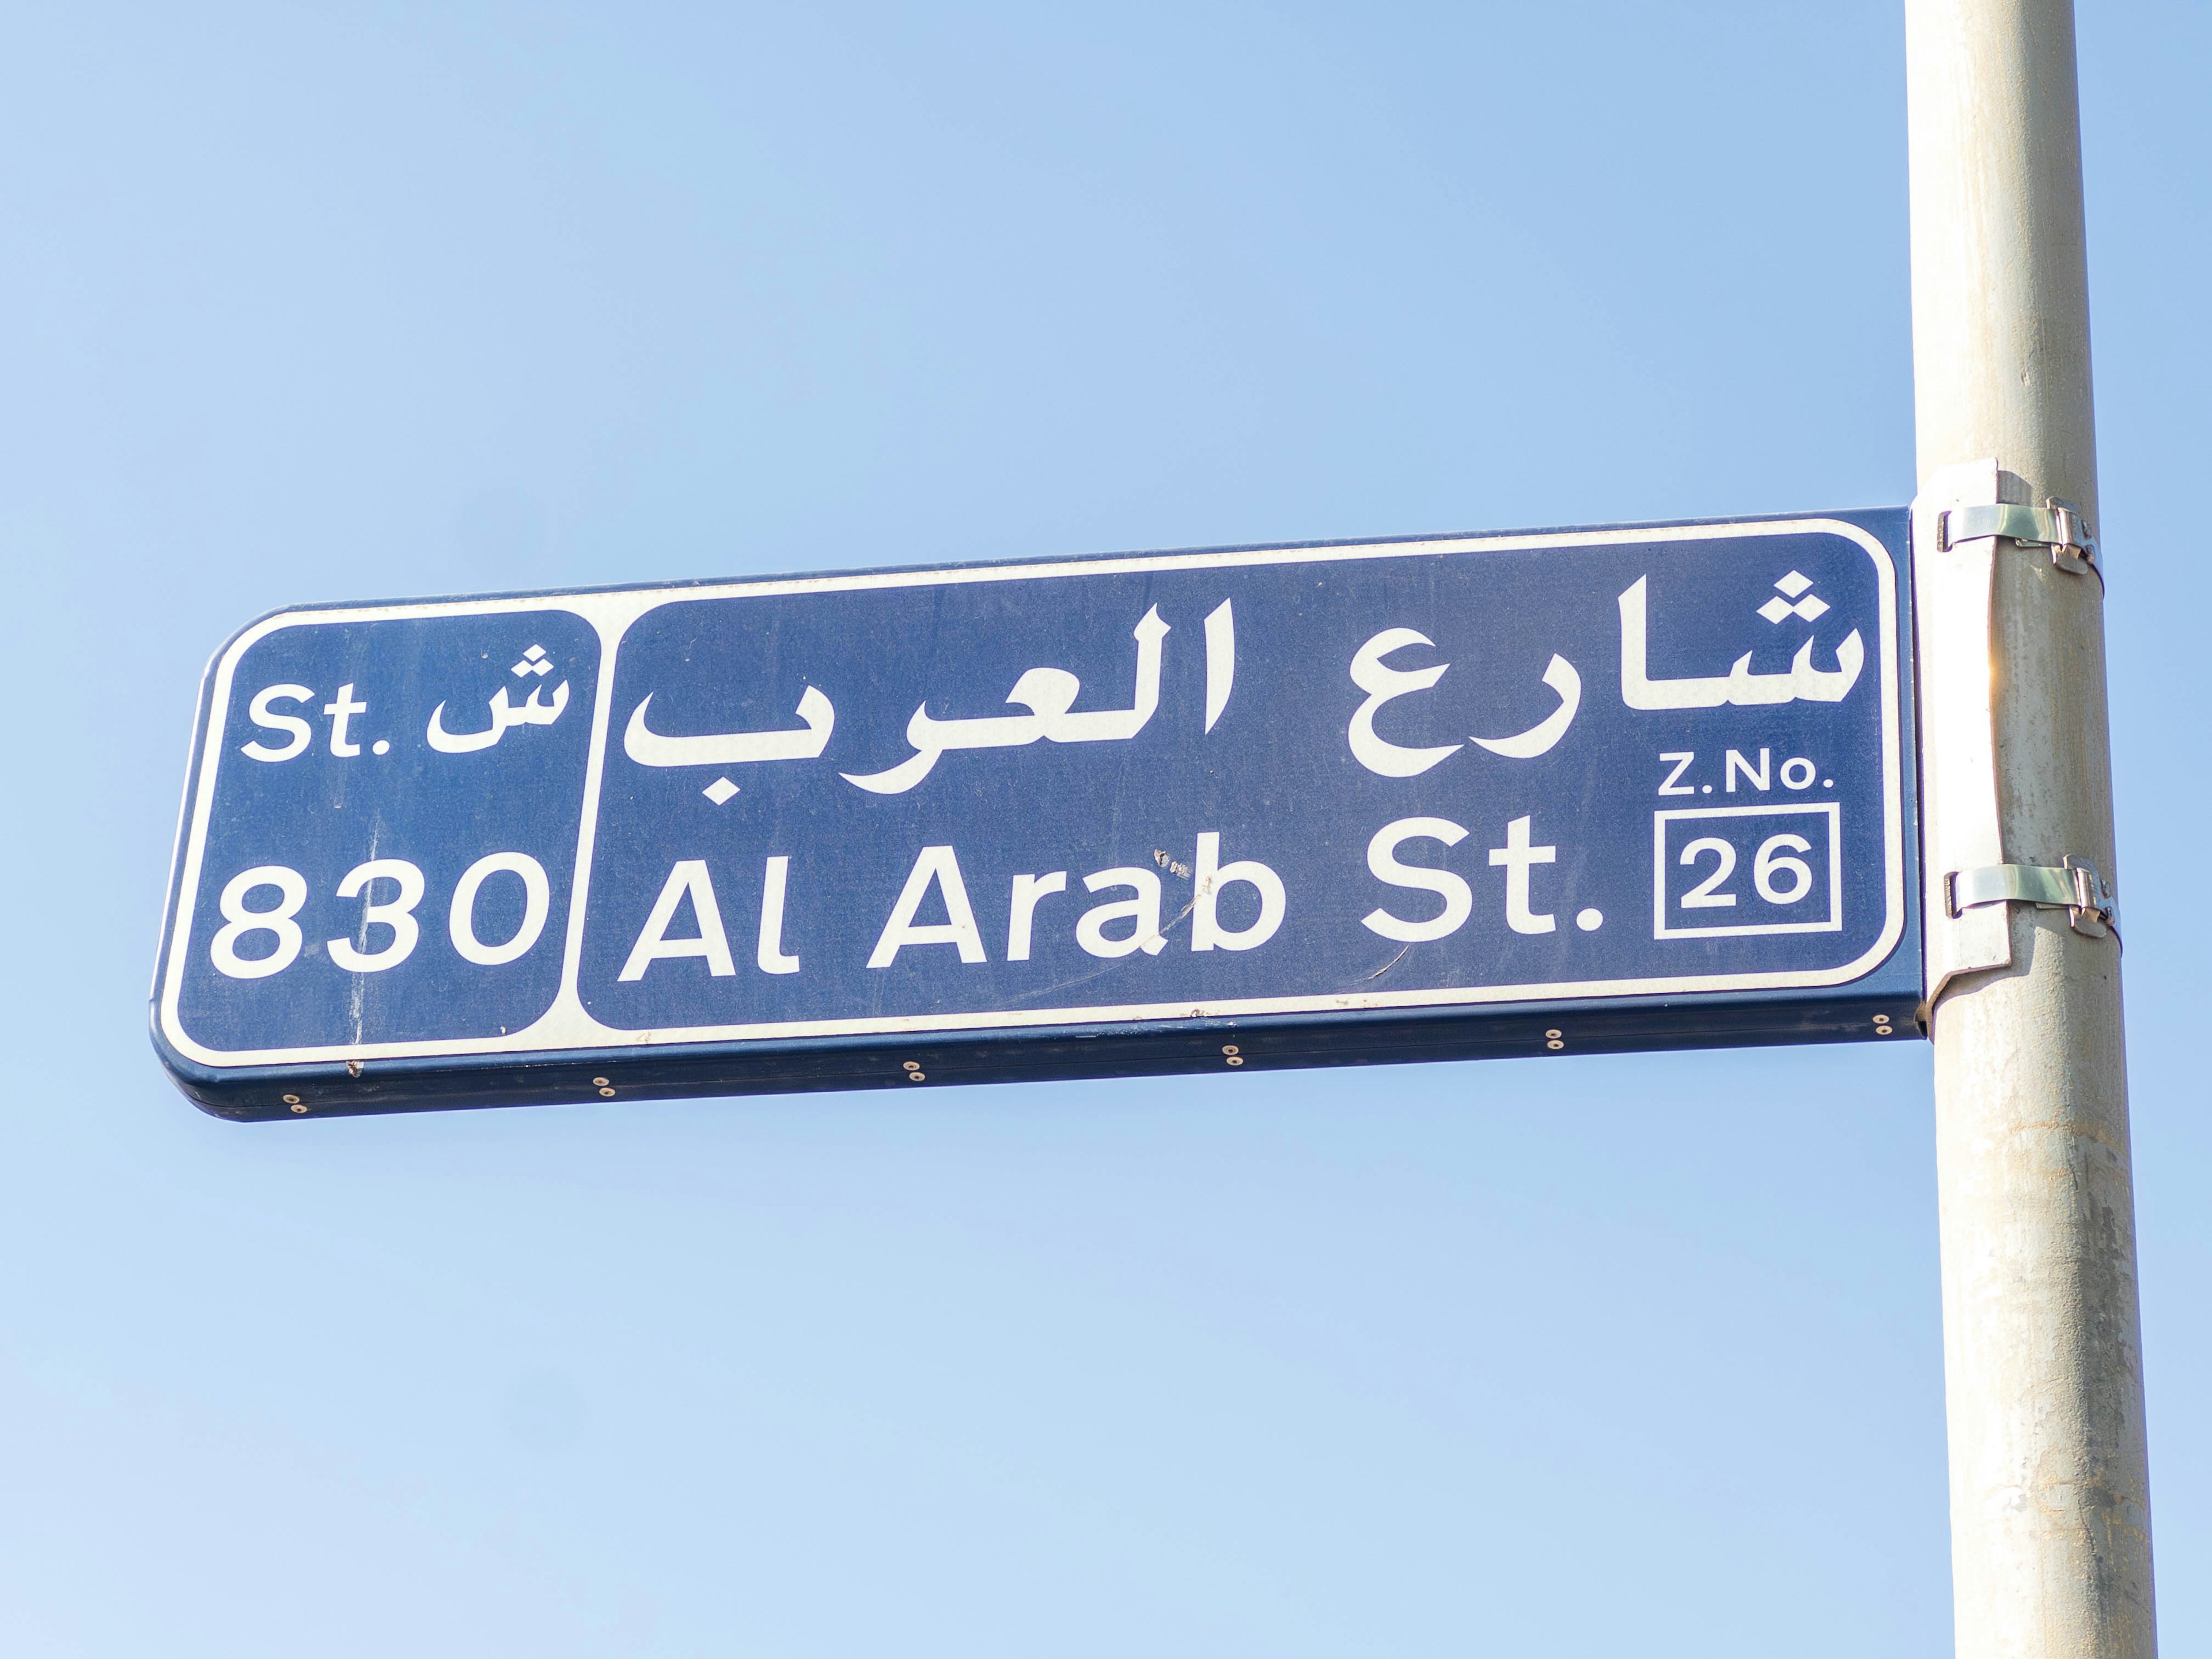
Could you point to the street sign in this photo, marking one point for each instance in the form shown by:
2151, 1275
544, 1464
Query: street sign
1223, 810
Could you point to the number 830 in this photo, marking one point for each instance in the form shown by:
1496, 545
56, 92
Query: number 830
396, 913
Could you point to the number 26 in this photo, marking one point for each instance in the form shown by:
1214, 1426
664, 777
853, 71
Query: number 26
1774, 859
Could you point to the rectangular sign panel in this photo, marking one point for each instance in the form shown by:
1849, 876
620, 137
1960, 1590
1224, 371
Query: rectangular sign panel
1647, 787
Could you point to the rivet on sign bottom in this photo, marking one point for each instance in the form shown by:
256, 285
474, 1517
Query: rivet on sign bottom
601, 1082
1228, 1047
911, 1065
1235, 1060
916, 1077
1555, 1043
609, 1093
297, 1107
291, 1100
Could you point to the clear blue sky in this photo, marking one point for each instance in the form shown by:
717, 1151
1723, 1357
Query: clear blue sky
1592, 1357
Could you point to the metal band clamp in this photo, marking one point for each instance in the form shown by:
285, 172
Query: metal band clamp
2075, 887
2056, 524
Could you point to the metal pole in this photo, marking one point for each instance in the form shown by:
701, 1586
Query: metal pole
2050, 1496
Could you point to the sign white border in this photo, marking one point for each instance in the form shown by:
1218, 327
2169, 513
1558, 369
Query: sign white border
567, 1025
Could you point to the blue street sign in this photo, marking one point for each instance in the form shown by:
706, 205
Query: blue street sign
1231, 809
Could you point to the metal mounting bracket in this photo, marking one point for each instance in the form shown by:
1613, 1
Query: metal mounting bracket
2057, 525
2074, 887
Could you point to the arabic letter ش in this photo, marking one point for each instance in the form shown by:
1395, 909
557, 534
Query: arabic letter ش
465, 743
533, 713
1826, 685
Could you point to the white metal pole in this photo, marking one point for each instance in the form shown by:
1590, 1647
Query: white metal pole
2050, 1499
